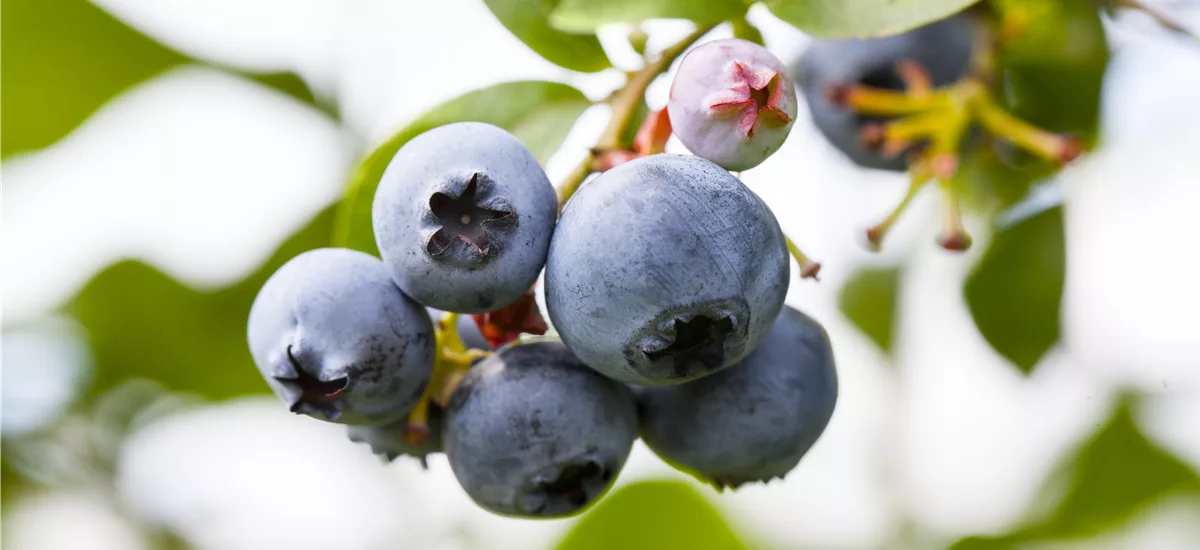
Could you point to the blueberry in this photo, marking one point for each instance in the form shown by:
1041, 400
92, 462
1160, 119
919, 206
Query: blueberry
463, 217
533, 432
944, 49
732, 103
336, 340
468, 330
665, 269
753, 421
389, 441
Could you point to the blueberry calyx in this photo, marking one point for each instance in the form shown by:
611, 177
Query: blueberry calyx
754, 97
575, 484
698, 340
463, 218
313, 395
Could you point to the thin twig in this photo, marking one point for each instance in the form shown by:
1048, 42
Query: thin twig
1163, 20
624, 105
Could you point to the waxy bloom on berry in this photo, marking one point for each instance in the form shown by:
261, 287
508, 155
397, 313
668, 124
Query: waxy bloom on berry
731, 103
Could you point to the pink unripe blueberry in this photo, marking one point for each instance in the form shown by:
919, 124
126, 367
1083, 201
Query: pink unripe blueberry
731, 103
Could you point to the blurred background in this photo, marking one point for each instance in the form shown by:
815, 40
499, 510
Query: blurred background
160, 159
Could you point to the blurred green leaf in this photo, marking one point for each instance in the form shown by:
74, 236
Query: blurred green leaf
539, 113
61, 60
862, 18
635, 123
982, 543
1015, 292
12, 483
1114, 475
588, 15
652, 515
292, 85
1054, 65
143, 324
869, 300
527, 20
1108, 480
989, 183
746, 31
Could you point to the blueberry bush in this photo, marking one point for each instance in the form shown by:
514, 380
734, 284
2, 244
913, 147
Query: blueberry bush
455, 300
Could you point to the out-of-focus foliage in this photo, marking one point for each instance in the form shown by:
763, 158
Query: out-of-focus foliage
63, 59
1110, 478
1054, 61
652, 515
1052, 57
746, 31
144, 324
1015, 292
869, 299
862, 18
527, 20
588, 15
539, 113
60, 60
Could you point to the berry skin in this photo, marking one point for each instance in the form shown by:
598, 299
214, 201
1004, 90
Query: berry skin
463, 217
731, 103
753, 421
943, 49
336, 340
665, 269
533, 432
389, 442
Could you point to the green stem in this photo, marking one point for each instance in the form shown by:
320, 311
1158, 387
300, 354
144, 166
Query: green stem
918, 176
1165, 21
624, 106
1000, 123
808, 268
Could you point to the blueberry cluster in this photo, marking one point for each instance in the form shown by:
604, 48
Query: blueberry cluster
665, 279
943, 49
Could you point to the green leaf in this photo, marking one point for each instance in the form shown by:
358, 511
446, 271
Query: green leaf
588, 15
652, 515
635, 124
747, 31
862, 18
527, 20
61, 60
1054, 66
988, 183
143, 324
539, 113
869, 300
292, 85
1015, 292
1113, 476
1107, 481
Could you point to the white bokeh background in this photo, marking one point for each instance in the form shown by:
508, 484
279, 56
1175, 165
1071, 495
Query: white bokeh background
202, 174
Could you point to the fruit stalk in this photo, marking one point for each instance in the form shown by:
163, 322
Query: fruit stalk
1165, 21
624, 107
808, 268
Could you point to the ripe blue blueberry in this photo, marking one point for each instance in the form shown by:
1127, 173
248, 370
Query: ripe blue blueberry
665, 269
533, 432
732, 103
943, 49
389, 441
753, 421
336, 340
463, 217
